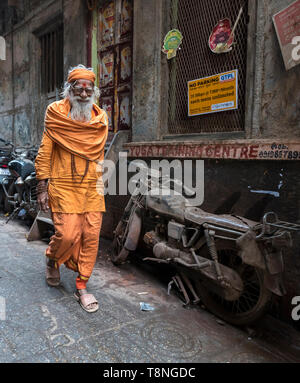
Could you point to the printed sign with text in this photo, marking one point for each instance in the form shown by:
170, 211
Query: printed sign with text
213, 94
287, 25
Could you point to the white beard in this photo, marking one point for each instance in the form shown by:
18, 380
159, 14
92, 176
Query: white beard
81, 111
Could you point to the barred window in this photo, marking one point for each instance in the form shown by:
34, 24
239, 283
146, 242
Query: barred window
52, 60
196, 20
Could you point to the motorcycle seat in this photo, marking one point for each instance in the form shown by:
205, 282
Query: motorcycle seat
177, 207
199, 216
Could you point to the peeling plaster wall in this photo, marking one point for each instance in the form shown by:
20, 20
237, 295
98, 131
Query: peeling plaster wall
6, 94
280, 109
75, 18
22, 116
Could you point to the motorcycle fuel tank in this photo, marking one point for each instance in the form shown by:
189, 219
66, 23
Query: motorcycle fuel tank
23, 167
171, 206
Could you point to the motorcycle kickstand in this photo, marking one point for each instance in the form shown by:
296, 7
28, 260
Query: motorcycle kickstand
179, 284
13, 214
189, 285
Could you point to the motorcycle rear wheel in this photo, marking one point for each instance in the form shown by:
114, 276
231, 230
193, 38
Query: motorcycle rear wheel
255, 298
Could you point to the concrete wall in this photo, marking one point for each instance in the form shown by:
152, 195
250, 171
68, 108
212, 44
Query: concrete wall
22, 106
146, 102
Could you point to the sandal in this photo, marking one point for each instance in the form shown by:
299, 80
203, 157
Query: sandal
52, 274
85, 300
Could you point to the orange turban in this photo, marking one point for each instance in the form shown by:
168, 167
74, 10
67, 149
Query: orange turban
80, 73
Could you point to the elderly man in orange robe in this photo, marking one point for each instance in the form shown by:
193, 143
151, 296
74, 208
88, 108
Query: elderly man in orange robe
66, 167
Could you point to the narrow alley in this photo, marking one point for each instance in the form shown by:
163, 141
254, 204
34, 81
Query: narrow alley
46, 324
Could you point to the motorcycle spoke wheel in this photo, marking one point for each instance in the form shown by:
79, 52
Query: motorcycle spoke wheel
8, 208
254, 299
2, 199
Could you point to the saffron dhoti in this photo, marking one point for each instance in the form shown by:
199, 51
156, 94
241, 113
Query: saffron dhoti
75, 243
68, 157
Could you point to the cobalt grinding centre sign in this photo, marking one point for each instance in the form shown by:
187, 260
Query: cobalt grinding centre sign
213, 94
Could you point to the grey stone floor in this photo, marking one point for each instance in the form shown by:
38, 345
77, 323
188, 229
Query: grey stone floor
45, 324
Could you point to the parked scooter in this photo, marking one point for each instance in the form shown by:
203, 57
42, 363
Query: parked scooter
6, 155
20, 186
229, 263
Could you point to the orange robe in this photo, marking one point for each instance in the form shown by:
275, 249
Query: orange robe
76, 204
68, 195
75, 242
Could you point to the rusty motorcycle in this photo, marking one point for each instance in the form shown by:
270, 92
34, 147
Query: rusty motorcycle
228, 263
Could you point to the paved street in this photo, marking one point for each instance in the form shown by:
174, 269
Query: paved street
45, 324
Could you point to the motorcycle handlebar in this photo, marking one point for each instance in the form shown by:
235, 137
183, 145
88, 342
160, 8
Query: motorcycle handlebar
7, 142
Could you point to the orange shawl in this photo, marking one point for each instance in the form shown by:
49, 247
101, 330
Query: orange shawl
84, 139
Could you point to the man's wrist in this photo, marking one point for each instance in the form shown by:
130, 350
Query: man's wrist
42, 186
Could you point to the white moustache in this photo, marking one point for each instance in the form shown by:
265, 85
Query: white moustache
81, 109
78, 98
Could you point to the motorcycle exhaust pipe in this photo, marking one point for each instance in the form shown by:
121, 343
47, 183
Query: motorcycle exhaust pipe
162, 251
206, 268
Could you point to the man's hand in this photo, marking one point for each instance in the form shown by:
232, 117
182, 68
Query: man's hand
42, 197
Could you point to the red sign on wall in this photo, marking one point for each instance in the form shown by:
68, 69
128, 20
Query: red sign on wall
287, 25
229, 150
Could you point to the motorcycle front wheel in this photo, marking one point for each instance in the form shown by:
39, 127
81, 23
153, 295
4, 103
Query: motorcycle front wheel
8, 207
254, 299
118, 252
2, 199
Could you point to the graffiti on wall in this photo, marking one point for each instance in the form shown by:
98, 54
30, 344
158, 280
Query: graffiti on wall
107, 103
107, 69
124, 112
115, 61
125, 67
107, 19
126, 17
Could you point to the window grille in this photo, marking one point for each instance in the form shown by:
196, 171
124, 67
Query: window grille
52, 60
196, 20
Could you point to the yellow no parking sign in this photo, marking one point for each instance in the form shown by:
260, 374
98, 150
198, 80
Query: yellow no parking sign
213, 94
